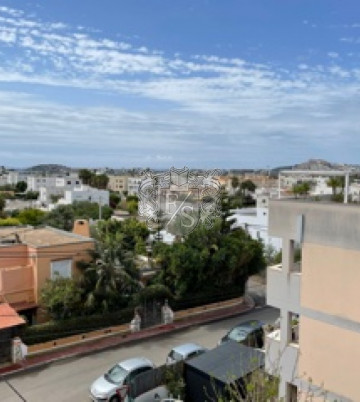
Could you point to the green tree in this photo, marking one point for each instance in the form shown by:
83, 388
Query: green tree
31, 216
21, 186
114, 200
85, 175
61, 297
235, 182
62, 217
99, 181
301, 188
248, 185
2, 203
209, 261
31, 195
111, 279
9, 222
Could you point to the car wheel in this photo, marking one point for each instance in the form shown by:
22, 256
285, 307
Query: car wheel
115, 398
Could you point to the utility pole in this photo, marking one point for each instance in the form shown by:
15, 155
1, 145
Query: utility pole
100, 199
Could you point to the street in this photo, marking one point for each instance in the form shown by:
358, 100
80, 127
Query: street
69, 380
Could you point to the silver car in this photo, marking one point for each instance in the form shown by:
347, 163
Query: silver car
184, 352
113, 385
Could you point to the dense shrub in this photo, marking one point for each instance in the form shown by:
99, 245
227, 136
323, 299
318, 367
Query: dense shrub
63, 328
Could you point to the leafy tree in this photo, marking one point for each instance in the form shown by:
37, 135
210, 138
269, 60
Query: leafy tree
132, 202
2, 203
85, 175
111, 279
235, 182
337, 183
62, 217
10, 222
114, 200
31, 216
21, 186
31, 195
248, 185
301, 188
55, 198
99, 181
61, 298
209, 261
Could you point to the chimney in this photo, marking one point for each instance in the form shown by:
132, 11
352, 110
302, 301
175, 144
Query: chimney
81, 227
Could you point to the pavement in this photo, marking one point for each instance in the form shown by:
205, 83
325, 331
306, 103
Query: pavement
97, 345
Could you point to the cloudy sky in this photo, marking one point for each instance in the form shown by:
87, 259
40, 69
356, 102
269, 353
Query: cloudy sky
197, 83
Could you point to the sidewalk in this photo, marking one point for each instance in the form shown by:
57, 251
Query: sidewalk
97, 345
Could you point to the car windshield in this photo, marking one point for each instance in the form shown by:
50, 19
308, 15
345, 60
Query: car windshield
116, 375
238, 334
175, 356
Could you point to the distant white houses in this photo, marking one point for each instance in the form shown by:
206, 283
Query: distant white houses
133, 185
255, 221
163, 236
57, 186
85, 193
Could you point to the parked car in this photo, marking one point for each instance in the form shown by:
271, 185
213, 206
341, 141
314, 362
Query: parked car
112, 386
184, 352
249, 333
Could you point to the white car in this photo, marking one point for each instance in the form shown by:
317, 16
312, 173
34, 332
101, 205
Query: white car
184, 352
113, 385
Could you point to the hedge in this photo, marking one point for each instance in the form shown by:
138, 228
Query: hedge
59, 329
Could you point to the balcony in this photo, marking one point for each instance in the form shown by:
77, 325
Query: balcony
281, 360
283, 290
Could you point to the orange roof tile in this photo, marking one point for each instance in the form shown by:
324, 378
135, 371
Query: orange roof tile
9, 317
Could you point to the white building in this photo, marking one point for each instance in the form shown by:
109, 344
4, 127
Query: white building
58, 187
133, 185
256, 221
86, 193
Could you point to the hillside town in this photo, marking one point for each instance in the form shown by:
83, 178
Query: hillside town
179, 201
79, 264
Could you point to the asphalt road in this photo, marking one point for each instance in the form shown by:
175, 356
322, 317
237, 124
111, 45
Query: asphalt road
68, 380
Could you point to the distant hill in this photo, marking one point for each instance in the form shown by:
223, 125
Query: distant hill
318, 164
48, 169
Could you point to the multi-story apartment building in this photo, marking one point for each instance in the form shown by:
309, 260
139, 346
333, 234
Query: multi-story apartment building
56, 186
29, 256
133, 185
317, 347
86, 193
117, 183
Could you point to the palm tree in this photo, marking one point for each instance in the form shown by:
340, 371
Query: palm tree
334, 183
111, 278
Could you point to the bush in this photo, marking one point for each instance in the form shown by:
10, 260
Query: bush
10, 222
78, 325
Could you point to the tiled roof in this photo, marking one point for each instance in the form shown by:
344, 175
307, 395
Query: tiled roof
41, 237
9, 317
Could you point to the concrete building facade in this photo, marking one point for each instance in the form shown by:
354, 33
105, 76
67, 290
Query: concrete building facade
29, 256
256, 221
316, 350
118, 183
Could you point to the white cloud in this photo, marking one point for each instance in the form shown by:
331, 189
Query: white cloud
198, 104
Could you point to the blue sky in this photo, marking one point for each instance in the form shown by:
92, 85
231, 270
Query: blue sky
197, 83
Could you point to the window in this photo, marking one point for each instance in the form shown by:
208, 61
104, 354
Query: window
61, 268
